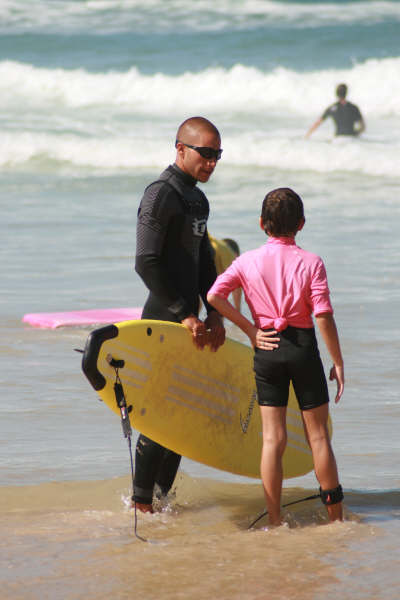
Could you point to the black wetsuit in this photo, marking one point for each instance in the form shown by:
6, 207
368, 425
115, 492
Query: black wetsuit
174, 259
345, 116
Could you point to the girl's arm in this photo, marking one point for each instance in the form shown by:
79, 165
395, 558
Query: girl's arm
327, 326
258, 337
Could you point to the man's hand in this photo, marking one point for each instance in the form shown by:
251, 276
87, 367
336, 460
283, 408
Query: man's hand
198, 329
216, 330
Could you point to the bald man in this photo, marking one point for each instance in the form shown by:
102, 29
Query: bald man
175, 261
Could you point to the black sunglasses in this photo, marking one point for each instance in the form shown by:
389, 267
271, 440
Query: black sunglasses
204, 151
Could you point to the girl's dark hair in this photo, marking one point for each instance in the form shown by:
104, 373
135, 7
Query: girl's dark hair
282, 211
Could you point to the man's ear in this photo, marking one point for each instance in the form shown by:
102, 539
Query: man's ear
179, 148
261, 224
180, 154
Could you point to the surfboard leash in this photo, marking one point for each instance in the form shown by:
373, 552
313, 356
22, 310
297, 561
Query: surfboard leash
313, 497
126, 424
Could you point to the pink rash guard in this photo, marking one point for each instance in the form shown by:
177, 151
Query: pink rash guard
283, 284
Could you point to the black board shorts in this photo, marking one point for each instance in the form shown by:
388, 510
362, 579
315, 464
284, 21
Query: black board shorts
296, 359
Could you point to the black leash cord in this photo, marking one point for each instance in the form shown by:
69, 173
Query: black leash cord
284, 506
125, 422
126, 429
139, 537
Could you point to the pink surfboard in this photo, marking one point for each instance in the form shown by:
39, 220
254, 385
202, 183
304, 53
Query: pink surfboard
82, 317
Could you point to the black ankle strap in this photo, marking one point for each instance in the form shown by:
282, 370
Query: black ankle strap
334, 496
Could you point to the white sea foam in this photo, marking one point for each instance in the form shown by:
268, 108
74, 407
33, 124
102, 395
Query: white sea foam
322, 155
273, 152
97, 152
374, 84
157, 15
125, 120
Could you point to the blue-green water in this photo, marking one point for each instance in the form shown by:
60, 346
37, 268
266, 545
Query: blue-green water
91, 94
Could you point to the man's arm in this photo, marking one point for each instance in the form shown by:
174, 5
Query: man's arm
313, 127
151, 271
360, 124
155, 212
327, 113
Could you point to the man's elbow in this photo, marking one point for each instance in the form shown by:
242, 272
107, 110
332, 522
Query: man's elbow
145, 263
138, 265
360, 127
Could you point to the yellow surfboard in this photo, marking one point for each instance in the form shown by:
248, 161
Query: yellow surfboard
198, 403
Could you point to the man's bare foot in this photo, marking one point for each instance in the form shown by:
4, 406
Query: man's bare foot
144, 508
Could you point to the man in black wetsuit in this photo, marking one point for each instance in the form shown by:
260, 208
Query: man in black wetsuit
175, 261
347, 116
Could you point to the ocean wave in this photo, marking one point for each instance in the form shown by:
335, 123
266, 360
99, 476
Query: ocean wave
241, 90
283, 152
54, 151
104, 16
61, 119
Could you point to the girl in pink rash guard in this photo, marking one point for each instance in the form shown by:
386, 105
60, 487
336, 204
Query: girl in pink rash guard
283, 286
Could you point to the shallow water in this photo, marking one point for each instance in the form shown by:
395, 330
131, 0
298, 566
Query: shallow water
91, 95
76, 540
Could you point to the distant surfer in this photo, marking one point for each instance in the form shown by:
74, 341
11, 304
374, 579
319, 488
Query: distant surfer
347, 116
175, 260
284, 285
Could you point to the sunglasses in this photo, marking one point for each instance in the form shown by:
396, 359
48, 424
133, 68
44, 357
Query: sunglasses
204, 151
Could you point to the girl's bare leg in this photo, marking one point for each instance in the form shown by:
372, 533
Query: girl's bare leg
274, 444
316, 427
